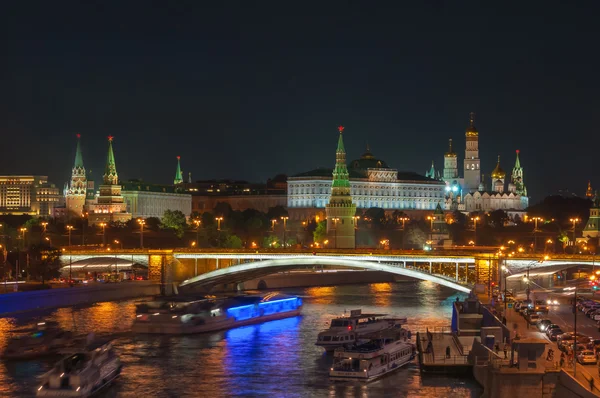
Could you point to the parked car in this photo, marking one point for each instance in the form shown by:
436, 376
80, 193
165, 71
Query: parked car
553, 333
543, 324
586, 356
533, 319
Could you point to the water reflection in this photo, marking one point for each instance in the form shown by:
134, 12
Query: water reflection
272, 359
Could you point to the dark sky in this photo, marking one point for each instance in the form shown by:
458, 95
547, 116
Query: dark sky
252, 89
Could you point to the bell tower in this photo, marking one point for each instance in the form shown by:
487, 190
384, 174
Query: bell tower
472, 163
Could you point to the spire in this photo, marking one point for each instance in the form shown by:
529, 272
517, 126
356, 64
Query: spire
517, 162
178, 178
78, 157
450, 153
110, 171
588, 192
341, 179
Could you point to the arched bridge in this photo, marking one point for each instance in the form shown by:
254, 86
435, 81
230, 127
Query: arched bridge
262, 267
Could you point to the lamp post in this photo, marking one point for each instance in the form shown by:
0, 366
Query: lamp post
44, 224
574, 221
475, 219
142, 222
335, 221
273, 222
403, 219
83, 222
505, 272
69, 229
103, 225
356, 218
118, 242
575, 329
219, 219
535, 230
431, 218
284, 218
197, 222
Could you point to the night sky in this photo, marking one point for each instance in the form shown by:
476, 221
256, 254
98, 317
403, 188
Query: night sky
252, 89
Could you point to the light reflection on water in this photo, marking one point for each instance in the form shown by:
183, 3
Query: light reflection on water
273, 359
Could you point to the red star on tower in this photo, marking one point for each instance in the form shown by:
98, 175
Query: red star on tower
341, 129
110, 137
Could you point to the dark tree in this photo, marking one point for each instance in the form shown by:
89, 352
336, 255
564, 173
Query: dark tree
44, 263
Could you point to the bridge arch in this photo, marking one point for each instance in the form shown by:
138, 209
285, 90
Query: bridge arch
257, 269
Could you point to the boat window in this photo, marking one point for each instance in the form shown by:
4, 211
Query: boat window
337, 323
327, 338
351, 337
336, 338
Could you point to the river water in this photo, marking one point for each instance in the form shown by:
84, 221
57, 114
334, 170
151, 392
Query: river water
273, 359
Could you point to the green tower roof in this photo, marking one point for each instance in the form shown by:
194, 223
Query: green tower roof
517, 162
110, 171
178, 177
78, 157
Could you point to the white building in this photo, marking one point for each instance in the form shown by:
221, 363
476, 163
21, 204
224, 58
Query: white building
150, 200
372, 184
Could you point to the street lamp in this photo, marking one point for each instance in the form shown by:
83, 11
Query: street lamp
118, 242
142, 222
44, 224
431, 218
218, 219
83, 222
356, 218
69, 229
273, 222
103, 225
335, 221
197, 222
535, 230
574, 221
284, 218
475, 219
505, 272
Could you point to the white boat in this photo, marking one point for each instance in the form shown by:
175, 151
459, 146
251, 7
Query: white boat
83, 373
47, 338
186, 315
348, 330
384, 353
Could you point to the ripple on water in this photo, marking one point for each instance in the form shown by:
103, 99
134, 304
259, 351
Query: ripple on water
273, 359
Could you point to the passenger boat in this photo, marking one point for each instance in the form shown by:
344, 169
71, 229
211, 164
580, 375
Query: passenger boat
47, 338
385, 352
83, 373
186, 315
347, 330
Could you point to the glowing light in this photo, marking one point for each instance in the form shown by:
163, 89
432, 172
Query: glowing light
454, 188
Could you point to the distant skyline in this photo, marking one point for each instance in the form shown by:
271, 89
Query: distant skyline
247, 91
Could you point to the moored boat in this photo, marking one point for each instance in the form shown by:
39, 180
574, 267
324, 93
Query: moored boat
385, 352
83, 373
348, 330
186, 315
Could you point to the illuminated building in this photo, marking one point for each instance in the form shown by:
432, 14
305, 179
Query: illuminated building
592, 228
470, 193
372, 184
27, 194
340, 210
589, 193
110, 205
152, 200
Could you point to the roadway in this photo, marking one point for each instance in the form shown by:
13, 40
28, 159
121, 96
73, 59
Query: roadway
562, 315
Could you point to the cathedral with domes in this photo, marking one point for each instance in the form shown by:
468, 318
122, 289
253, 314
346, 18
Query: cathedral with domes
472, 192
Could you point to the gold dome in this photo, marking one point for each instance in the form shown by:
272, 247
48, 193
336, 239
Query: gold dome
498, 172
472, 130
450, 153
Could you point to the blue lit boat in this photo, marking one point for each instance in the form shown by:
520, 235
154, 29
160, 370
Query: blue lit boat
187, 315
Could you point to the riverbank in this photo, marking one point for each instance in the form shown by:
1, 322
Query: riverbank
11, 303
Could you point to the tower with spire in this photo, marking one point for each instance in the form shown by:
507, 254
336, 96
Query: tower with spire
472, 163
592, 228
340, 209
178, 177
588, 192
76, 192
110, 205
450, 164
516, 185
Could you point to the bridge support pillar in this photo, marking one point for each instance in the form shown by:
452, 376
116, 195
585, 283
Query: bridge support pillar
466, 272
404, 264
217, 263
457, 272
430, 267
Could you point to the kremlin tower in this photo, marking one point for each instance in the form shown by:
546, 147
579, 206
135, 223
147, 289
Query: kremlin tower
517, 186
450, 165
178, 176
340, 210
110, 205
588, 192
75, 194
